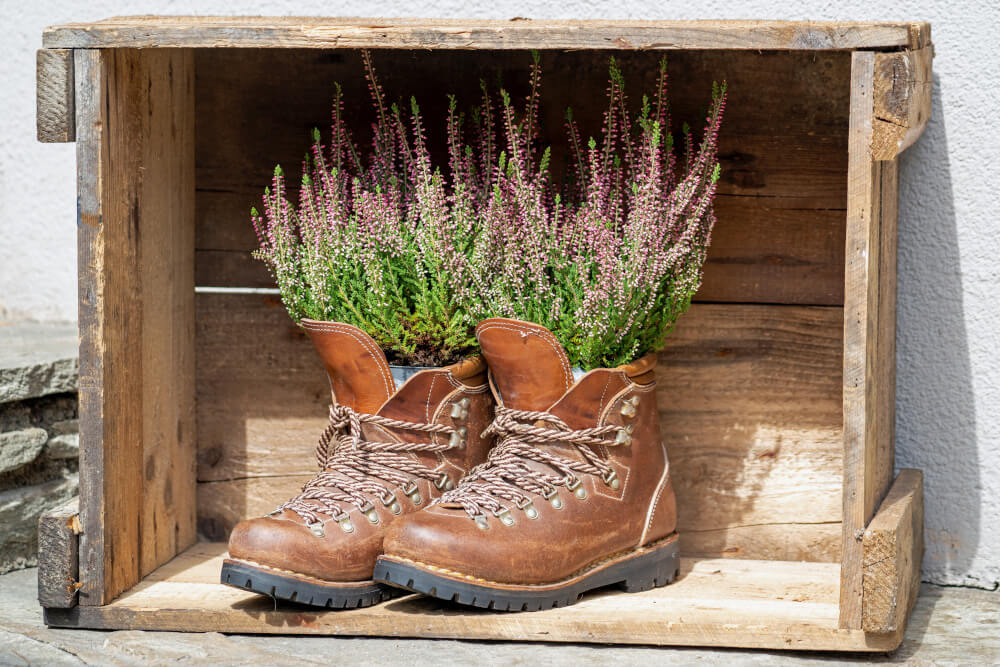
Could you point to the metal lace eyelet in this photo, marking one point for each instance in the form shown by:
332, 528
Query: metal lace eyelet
458, 437
372, 516
392, 503
317, 529
576, 486
529, 510
505, 517
346, 524
412, 492
481, 522
443, 482
460, 409
611, 479
623, 437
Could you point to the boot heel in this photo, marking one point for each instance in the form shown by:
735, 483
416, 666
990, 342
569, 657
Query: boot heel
653, 570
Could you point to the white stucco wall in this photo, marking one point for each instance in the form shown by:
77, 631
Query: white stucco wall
948, 422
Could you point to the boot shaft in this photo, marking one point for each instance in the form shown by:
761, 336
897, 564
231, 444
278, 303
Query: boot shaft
456, 395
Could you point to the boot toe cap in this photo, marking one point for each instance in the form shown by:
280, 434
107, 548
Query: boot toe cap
284, 544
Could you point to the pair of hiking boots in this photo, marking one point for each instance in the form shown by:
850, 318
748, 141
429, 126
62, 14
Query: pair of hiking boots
503, 482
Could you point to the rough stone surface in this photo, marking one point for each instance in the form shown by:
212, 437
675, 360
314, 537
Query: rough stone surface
66, 446
20, 509
20, 447
37, 360
948, 626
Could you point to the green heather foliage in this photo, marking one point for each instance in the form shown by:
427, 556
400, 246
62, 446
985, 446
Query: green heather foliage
417, 254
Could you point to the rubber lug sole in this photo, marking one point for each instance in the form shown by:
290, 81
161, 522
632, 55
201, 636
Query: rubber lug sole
638, 571
304, 590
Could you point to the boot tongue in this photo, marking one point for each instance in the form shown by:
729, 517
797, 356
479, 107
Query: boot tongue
529, 367
359, 374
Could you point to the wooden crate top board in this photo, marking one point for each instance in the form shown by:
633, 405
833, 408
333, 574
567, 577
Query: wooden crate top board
516, 33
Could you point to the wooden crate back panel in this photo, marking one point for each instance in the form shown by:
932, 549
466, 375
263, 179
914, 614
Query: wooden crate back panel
781, 203
749, 398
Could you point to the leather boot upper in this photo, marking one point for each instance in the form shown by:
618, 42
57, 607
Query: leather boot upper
548, 536
344, 547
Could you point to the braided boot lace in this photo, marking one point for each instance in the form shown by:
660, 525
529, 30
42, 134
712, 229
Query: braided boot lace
505, 475
353, 470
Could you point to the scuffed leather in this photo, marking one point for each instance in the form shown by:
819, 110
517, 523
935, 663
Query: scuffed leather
559, 543
360, 378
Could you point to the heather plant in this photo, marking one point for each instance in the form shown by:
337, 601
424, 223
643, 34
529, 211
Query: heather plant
607, 259
378, 240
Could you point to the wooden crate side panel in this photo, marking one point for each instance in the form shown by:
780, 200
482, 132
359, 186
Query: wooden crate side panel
135, 152
749, 401
169, 440
893, 550
782, 198
869, 333
517, 33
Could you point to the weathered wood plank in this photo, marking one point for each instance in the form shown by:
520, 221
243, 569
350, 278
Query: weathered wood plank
717, 602
58, 555
166, 206
309, 32
91, 90
223, 504
55, 103
904, 84
893, 549
869, 333
750, 414
135, 157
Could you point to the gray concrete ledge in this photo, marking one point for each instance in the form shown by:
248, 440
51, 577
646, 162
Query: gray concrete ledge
37, 359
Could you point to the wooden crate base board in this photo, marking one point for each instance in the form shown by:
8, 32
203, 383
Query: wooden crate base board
715, 602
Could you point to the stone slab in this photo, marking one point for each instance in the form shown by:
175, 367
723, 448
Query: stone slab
20, 447
37, 359
20, 509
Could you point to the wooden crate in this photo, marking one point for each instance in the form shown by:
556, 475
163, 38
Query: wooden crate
199, 406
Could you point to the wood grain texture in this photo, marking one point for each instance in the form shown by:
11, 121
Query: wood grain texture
55, 103
715, 602
893, 550
166, 206
750, 413
310, 32
869, 334
58, 555
91, 85
782, 198
904, 83
136, 241
223, 504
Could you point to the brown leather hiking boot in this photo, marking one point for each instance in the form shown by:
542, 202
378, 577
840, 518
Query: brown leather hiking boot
387, 452
575, 495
